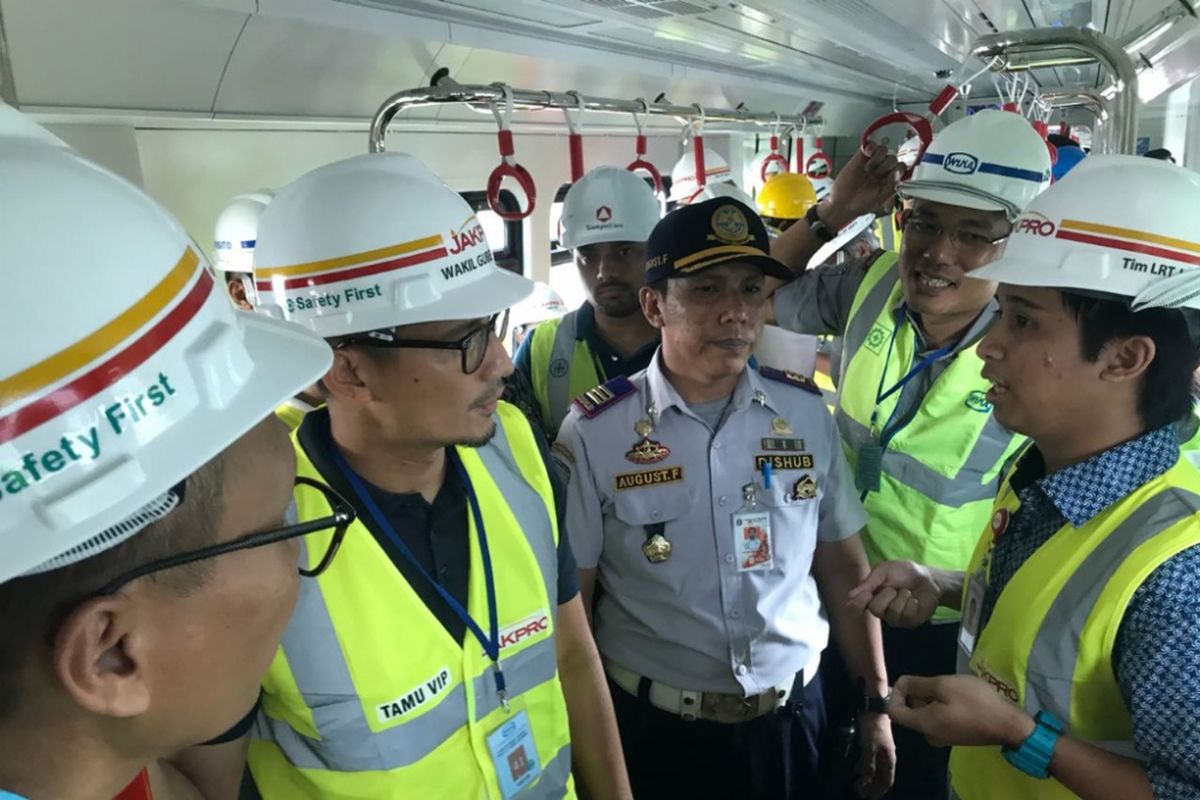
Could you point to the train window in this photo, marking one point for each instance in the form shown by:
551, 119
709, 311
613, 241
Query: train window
503, 235
558, 254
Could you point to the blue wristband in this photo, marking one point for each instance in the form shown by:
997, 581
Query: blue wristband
1034, 754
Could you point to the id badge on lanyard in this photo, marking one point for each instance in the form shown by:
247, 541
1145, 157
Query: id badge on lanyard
977, 584
868, 462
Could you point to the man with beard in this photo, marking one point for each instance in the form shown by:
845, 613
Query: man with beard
451, 657
607, 216
713, 510
915, 422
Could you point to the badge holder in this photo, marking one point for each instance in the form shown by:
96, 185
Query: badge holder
508, 168
514, 755
752, 545
640, 164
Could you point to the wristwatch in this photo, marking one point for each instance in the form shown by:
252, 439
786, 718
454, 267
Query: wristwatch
868, 704
817, 226
1034, 754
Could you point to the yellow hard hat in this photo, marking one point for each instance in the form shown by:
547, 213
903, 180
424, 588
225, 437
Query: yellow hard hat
788, 195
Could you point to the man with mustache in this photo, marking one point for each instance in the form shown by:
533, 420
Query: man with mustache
606, 218
451, 657
711, 509
914, 419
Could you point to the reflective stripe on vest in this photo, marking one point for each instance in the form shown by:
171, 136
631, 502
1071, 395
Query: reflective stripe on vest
1049, 643
941, 467
563, 367
369, 696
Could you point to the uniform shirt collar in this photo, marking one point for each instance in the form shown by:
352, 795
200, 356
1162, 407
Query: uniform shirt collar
1083, 490
973, 334
663, 395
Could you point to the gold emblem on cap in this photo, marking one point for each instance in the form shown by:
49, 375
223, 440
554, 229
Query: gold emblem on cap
730, 225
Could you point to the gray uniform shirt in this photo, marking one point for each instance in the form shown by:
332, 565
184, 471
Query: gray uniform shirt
696, 621
818, 302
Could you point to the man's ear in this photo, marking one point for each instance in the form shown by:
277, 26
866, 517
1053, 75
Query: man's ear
1126, 359
237, 293
652, 303
349, 377
101, 657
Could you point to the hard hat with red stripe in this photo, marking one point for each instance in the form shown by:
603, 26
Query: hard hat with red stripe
116, 389
1075, 237
685, 187
373, 242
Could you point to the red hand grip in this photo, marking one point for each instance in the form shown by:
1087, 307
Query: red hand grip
943, 100
523, 179
505, 138
820, 142
640, 146
1042, 128
813, 159
701, 169
1053, 153
646, 166
1009, 107
774, 158
921, 125
575, 143
800, 154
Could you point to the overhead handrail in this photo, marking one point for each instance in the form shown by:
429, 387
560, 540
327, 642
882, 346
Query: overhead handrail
449, 92
1020, 51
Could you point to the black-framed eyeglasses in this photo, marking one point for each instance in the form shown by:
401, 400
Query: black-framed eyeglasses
473, 346
969, 243
339, 520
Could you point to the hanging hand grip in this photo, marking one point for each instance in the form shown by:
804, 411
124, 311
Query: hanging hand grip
922, 126
508, 167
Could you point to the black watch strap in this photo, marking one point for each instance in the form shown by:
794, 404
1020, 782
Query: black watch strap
817, 226
872, 705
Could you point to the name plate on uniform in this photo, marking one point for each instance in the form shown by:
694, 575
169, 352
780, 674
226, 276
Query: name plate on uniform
778, 462
781, 445
647, 477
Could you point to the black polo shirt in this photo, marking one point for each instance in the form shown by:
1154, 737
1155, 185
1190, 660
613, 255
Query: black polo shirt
437, 533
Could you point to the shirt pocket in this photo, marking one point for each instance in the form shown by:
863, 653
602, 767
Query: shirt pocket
635, 510
794, 517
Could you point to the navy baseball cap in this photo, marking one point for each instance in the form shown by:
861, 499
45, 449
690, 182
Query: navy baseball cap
696, 237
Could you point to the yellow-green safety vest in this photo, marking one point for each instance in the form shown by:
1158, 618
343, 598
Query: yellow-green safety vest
1049, 642
292, 413
887, 232
369, 696
940, 470
563, 366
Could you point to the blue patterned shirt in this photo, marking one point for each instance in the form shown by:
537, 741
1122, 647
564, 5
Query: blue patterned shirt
1156, 656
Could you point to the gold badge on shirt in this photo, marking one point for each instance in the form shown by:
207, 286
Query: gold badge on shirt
647, 451
805, 488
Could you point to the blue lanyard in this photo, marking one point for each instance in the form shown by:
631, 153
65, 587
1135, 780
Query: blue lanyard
918, 368
490, 643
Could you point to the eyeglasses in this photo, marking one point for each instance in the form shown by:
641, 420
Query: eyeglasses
473, 346
969, 243
340, 520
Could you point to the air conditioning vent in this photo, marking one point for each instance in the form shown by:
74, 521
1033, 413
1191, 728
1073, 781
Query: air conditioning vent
643, 12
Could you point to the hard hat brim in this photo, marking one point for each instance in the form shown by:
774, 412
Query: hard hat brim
919, 190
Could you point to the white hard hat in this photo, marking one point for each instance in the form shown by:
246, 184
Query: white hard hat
723, 189
14, 124
991, 160
543, 304
236, 231
373, 242
1074, 236
608, 204
822, 186
127, 368
683, 177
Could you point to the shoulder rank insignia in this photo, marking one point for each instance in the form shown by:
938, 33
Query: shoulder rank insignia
604, 396
790, 378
